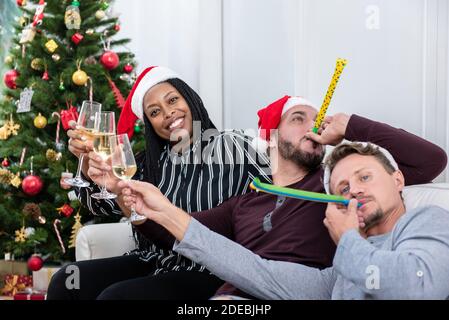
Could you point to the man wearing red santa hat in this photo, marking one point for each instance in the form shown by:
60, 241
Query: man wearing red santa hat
275, 227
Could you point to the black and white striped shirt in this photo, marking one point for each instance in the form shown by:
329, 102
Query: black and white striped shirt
213, 170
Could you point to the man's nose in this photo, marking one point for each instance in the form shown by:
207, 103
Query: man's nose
356, 190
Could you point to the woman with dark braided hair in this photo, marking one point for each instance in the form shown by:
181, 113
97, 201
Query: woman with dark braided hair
192, 163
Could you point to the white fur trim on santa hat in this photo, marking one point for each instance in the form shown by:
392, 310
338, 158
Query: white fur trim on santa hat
259, 144
152, 78
296, 101
327, 173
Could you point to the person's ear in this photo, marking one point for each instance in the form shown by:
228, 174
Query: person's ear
399, 180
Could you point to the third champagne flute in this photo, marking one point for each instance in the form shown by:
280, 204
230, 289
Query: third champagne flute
104, 129
123, 164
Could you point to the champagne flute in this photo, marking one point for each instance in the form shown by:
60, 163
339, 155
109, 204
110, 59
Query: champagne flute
124, 164
85, 124
104, 129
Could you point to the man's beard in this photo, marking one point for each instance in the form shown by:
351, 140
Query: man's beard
373, 219
306, 160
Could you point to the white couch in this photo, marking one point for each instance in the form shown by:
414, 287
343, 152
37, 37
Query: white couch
104, 240
114, 239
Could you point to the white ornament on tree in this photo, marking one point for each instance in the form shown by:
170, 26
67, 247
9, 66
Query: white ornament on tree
72, 196
27, 35
24, 103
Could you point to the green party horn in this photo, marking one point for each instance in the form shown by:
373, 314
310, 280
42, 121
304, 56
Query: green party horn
297, 193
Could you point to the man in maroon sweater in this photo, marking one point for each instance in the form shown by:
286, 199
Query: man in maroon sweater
279, 228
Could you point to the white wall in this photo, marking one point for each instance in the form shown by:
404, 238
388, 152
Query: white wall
242, 55
151, 25
259, 55
185, 36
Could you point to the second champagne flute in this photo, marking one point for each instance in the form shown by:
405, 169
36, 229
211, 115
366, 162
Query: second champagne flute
124, 164
104, 129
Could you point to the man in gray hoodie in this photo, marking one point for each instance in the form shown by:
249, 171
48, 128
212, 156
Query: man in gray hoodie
383, 250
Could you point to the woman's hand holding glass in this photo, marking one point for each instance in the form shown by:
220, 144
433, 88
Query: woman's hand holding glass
81, 137
146, 199
78, 143
150, 202
100, 171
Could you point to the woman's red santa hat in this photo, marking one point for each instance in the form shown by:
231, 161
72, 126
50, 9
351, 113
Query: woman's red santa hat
133, 108
270, 117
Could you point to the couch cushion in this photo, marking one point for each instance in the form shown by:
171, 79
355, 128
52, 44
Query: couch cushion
104, 241
427, 194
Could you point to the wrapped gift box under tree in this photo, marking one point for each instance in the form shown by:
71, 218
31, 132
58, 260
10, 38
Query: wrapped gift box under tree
11, 267
15, 283
30, 295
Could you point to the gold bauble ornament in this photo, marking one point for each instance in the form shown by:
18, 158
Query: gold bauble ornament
9, 60
79, 77
90, 32
40, 121
37, 64
52, 155
100, 14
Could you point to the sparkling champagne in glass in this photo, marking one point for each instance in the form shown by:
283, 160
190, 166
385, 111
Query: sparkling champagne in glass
124, 164
104, 129
85, 124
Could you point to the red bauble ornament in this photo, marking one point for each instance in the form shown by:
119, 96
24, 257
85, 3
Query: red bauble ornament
5, 163
45, 76
21, 3
32, 185
76, 38
110, 60
128, 68
117, 27
35, 263
10, 78
66, 210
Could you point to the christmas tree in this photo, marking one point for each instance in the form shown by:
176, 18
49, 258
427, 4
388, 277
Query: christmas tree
61, 54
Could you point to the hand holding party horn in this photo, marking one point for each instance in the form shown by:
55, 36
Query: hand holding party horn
341, 63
